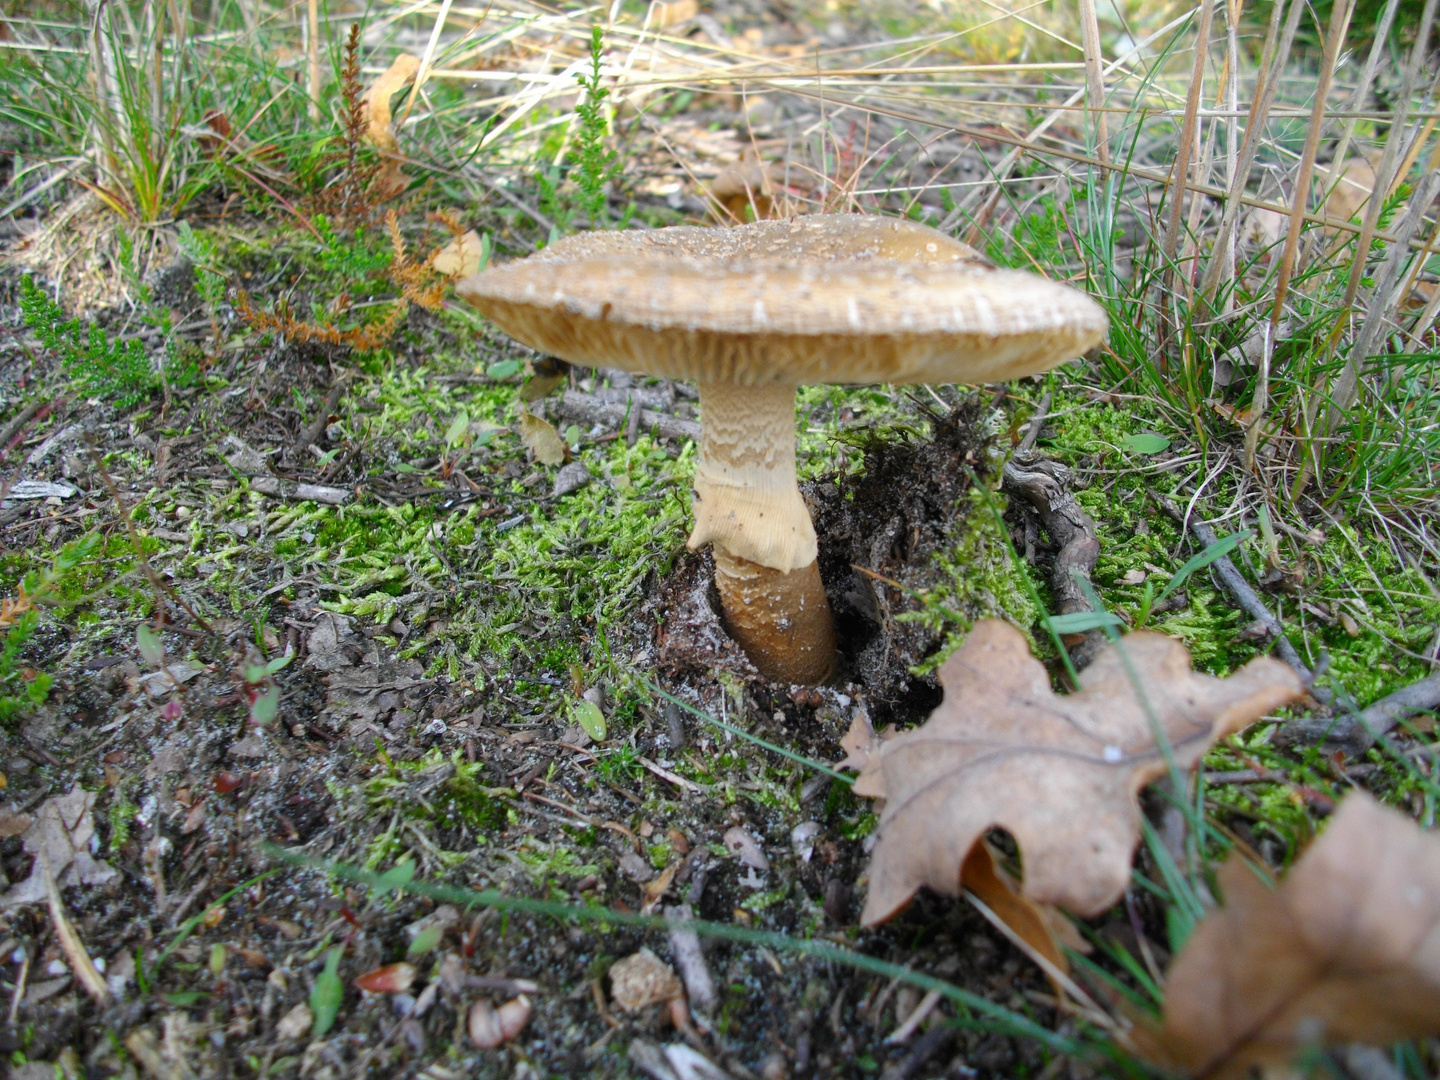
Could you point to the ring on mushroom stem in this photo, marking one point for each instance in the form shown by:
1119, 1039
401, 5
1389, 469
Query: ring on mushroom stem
751, 313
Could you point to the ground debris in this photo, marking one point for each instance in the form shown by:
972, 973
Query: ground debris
59, 837
642, 979
1067, 789
1341, 952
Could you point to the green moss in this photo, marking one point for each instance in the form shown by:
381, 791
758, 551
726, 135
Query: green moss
461, 799
976, 577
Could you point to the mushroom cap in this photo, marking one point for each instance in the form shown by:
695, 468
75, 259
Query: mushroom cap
832, 298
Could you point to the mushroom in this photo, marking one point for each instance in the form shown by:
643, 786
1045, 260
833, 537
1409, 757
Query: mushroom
754, 311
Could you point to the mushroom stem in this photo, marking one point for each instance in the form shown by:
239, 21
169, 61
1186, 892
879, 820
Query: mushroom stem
748, 506
781, 620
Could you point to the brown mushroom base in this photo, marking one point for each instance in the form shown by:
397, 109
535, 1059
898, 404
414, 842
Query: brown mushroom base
781, 620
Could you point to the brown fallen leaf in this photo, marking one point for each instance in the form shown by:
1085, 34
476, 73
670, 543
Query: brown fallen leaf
664, 13
541, 439
642, 979
744, 186
1350, 186
460, 257
377, 100
652, 892
1347, 949
390, 979
1061, 774
981, 874
861, 741
390, 180
60, 837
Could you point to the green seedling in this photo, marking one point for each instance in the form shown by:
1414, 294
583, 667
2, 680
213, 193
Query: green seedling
596, 164
261, 690
120, 372
424, 941
328, 994
1077, 622
591, 720
152, 649
398, 876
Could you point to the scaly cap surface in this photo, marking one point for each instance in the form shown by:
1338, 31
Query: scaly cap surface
834, 298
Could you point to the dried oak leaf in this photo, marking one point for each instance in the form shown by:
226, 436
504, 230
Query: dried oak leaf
391, 180
60, 836
1347, 949
1060, 773
541, 439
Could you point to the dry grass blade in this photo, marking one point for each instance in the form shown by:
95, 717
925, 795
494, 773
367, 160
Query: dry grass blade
1260, 403
1094, 80
70, 943
1347, 388
312, 56
1272, 63
1181, 169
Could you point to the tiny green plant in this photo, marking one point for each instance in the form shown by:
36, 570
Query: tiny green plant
261, 690
22, 688
117, 370
595, 162
1077, 622
328, 993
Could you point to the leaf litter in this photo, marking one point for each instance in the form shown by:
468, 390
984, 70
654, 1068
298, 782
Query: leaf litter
1346, 949
1060, 773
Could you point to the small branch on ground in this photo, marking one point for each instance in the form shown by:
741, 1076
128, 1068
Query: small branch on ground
588, 409
1356, 732
1044, 484
317, 427
933, 1041
17, 425
70, 943
1037, 423
1240, 590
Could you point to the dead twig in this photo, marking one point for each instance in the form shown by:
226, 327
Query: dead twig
316, 427
1240, 590
930, 1044
69, 940
1356, 732
1045, 485
589, 409
17, 425
19, 994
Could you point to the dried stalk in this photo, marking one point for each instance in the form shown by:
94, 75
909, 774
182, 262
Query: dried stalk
1339, 20
312, 53
1181, 169
427, 60
1390, 289
1094, 80
1362, 89
1272, 64
1222, 259
1347, 390
70, 943
1007, 163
